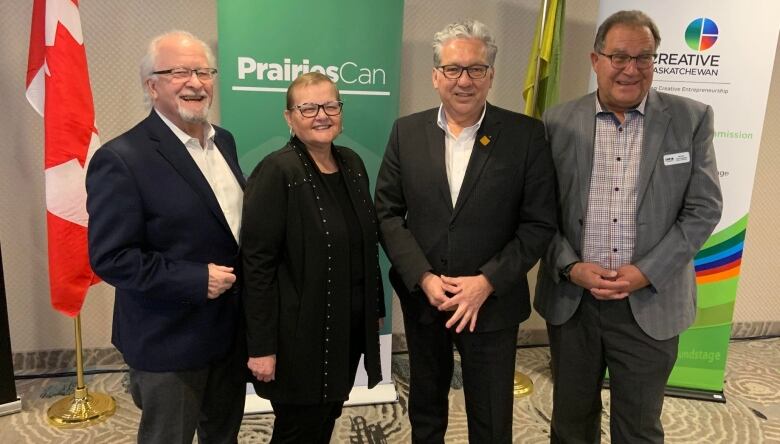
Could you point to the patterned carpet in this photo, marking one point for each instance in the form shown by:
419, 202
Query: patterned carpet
750, 415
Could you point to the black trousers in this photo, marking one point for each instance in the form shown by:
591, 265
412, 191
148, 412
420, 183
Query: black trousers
176, 404
604, 335
314, 423
488, 365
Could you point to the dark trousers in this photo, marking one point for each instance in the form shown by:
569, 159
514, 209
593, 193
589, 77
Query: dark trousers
314, 423
176, 404
305, 424
488, 365
604, 335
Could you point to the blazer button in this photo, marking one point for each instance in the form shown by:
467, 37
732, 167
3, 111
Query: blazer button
444, 261
452, 227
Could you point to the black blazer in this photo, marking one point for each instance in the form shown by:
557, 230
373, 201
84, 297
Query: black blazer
501, 224
296, 275
154, 226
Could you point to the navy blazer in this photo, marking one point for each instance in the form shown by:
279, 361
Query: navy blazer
154, 226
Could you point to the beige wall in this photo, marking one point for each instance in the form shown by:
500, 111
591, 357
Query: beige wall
116, 32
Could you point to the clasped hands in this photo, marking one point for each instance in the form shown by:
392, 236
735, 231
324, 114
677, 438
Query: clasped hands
606, 284
464, 295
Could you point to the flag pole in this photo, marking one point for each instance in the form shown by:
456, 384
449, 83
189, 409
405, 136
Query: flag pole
523, 385
535, 89
82, 408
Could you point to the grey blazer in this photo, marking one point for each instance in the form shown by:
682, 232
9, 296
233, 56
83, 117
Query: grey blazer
678, 207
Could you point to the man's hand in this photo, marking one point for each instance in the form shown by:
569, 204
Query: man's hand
433, 288
263, 368
221, 278
634, 276
603, 284
469, 293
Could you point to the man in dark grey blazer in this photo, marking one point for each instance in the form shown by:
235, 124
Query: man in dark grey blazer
164, 201
639, 194
465, 201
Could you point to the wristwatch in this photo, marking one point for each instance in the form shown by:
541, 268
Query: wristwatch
566, 271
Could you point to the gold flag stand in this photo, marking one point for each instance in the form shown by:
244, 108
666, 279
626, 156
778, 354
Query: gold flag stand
523, 386
81, 409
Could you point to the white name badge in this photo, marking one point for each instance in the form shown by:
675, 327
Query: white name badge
675, 158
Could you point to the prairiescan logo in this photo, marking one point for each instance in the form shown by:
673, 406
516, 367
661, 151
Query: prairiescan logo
351, 77
701, 34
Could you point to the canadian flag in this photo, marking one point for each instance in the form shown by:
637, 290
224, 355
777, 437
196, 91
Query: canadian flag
58, 88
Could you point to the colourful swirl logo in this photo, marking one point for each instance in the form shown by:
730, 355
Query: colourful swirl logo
701, 34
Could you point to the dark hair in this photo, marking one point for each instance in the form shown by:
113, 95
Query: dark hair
630, 18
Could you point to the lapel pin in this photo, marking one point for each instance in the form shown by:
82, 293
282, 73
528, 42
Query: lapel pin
484, 140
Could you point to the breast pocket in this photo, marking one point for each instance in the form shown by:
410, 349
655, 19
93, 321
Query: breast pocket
498, 181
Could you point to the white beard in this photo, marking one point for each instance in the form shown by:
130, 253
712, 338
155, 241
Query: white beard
190, 116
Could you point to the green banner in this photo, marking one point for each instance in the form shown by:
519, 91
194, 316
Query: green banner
265, 45
701, 360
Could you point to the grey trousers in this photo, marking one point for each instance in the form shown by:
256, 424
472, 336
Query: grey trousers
174, 405
604, 335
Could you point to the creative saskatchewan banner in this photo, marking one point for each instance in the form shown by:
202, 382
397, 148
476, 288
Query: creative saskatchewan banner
264, 45
719, 52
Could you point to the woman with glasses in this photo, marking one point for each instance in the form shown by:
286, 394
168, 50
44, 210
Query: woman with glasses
313, 291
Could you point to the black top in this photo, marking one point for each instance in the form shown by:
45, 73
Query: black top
338, 189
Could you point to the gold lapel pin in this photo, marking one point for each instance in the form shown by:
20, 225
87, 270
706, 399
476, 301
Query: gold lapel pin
484, 140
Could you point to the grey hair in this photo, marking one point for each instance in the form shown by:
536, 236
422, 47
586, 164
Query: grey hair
149, 59
310, 78
465, 29
634, 18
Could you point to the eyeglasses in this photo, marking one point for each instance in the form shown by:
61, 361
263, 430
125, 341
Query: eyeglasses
454, 72
620, 61
181, 74
332, 108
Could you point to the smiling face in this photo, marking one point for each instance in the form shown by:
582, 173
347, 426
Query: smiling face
622, 89
184, 102
463, 98
318, 131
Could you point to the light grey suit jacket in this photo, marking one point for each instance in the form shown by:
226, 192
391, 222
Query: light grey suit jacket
679, 204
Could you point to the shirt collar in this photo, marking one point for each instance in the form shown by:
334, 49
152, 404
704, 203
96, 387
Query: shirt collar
442, 119
181, 135
640, 108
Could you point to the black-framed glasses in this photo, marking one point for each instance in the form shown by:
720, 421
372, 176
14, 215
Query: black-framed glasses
204, 74
620, 61
332, 108
454, 72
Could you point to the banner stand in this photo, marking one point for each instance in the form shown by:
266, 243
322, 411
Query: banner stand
9, 402
362, 56
697, 394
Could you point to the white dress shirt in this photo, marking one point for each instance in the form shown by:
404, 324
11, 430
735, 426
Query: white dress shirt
217, 172
457, 151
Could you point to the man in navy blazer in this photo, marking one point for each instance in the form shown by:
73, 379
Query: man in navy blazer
165, 201
466, 206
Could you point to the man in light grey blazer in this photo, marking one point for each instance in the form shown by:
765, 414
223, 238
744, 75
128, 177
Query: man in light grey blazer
638, 195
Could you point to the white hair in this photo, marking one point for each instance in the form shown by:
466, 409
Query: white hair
152, 51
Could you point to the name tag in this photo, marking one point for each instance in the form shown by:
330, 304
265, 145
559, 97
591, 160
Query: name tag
675, 158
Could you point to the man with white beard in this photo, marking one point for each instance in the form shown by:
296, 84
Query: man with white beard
165, 202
